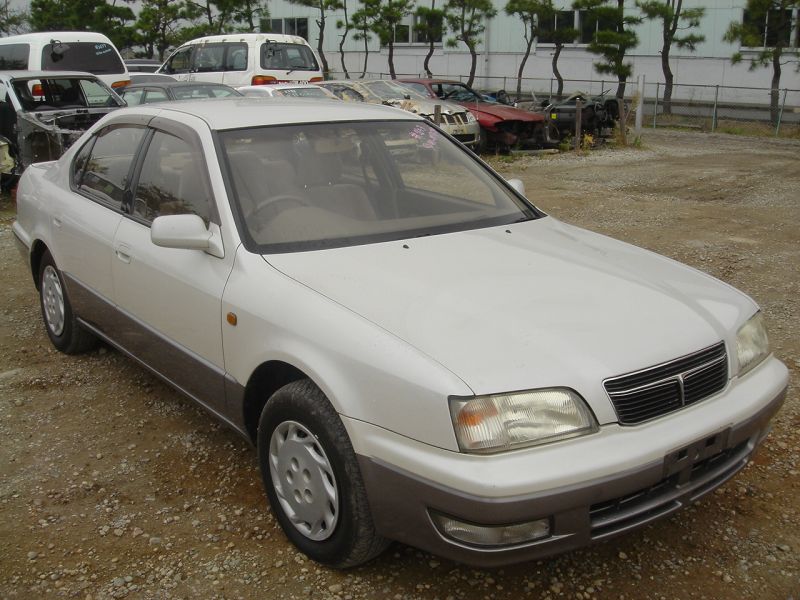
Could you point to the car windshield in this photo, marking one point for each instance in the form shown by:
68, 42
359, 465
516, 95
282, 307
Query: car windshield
61, 93
289, 57
194, 92
458, 92
323, 185
95, 57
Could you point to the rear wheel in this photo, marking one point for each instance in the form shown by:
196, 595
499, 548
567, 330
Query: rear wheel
62, 327
312, 478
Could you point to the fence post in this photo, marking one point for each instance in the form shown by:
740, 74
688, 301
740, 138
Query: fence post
602, 87
714, 114
780, 113
655, 104
639, 104
578, 127
550, 99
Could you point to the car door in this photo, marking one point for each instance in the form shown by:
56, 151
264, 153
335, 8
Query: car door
171, 298
179, 64
85, 219
208, 63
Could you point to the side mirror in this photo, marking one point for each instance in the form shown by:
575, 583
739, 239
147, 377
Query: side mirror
180, 231
517, 184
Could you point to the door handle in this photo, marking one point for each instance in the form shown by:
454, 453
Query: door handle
123, 254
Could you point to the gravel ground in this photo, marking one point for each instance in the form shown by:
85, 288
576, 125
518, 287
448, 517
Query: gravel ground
112, 485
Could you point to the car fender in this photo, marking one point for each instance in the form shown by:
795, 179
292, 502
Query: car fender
367, 373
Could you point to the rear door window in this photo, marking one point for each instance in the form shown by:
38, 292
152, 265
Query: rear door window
104, 173
94, 57
153, 95
209, 58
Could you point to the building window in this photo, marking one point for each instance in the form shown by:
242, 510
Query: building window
775, 26
289, 26
591, 24
562, 19
406, 32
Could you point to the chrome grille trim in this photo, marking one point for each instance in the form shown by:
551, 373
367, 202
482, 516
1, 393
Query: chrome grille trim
661, 389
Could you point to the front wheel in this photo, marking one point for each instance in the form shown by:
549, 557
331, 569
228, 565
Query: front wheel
313, 480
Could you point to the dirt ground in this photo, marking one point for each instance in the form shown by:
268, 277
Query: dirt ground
113, 485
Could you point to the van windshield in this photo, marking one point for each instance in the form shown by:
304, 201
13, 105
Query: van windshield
95, 57
288, 57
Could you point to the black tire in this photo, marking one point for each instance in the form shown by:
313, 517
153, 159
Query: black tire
352, 540
70, 337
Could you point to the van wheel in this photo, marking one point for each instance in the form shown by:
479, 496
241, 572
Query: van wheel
313, 480
63, 329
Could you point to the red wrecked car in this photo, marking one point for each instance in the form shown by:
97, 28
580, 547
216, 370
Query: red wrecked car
502, 126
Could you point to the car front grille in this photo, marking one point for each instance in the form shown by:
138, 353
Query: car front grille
454, 119
662, 389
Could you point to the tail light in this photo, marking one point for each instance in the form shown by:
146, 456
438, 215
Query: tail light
315, 80
263, 80
120, 84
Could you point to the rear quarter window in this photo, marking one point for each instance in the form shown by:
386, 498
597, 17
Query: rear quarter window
14, 57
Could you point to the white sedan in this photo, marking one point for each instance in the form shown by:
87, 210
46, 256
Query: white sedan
288, 90
416, 350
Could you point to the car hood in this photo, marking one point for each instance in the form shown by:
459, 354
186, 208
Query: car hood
501, 111
535, 304
426, 107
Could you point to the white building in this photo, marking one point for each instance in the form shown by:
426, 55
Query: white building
503, 46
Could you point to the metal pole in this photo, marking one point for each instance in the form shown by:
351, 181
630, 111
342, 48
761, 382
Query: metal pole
780, 113
639, 103
551, 89
578, 111
714, 114
655, 104
602, 87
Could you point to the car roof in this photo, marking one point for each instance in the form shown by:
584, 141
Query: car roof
253, 111
248, 37
68, 36
175, 84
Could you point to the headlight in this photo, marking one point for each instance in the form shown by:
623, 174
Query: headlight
752, 343
501, 422
470, 117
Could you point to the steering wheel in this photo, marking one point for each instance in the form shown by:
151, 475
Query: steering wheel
268, 208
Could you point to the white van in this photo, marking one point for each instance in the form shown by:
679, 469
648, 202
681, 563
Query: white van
85, 51
240, 59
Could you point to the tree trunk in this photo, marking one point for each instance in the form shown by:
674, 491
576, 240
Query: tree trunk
366, 55
342, 40
392, 74
320, 40
426, 64
557, 73
522, 64
621, 86
668, 79
474, 57
774, 92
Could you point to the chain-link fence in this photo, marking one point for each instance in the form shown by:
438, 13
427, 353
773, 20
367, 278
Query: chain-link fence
726, 109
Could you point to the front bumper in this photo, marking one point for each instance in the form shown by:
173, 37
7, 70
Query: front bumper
579, 513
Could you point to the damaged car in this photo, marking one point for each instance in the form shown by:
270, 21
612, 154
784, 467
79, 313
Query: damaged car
43, 113
455, 119
599, 114
502, 127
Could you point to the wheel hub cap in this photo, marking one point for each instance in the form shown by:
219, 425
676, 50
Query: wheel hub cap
304, 481
53, 300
